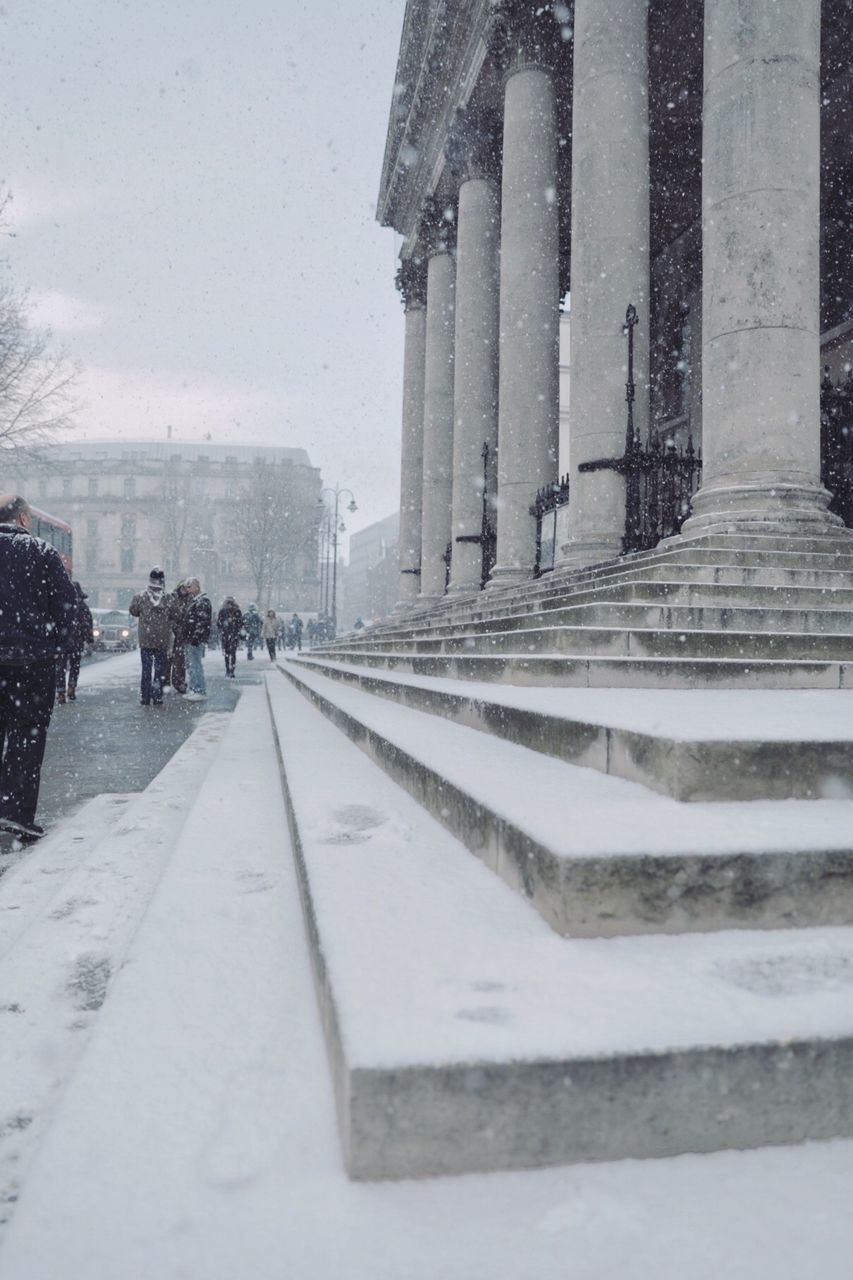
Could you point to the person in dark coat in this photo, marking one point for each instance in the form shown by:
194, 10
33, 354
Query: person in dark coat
177, 660
296, 632
252, 623
38, 608
230, 621
82, 634
199, 617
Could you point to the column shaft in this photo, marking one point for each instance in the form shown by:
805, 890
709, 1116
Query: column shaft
610, 262
760, 317
529, 316
412, 460
438, 425
476, 369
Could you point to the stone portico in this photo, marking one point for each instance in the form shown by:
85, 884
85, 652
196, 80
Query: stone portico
680, 157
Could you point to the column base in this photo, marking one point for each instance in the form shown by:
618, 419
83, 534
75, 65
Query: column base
583, 555
509, 577
770, 506
463, 590
428, 602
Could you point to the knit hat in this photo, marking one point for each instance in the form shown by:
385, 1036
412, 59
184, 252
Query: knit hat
157, 578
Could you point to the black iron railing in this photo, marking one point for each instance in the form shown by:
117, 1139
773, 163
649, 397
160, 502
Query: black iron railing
836, 444
660, 477
487, 537
547, 502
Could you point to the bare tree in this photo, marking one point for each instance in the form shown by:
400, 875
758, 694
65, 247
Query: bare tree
176, 509
274, 525
36, 383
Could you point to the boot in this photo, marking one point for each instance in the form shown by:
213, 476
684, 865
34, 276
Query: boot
72, 693
60, 698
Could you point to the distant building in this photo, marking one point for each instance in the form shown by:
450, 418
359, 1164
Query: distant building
371, 581
134, 504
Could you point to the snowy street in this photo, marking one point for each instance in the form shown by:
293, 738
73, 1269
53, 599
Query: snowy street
178, 1121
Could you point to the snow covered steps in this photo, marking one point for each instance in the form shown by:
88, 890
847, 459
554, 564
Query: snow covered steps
596, 854
464, 1034
690, 745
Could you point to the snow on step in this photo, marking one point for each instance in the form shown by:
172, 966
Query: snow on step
56, 973
465, 1035
698, 744
597, 855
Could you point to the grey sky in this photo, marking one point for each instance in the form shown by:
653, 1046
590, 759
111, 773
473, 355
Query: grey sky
195, 186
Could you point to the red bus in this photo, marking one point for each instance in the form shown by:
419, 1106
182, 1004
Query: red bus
56, 532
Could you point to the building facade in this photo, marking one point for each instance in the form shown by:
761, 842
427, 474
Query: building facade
371, 577
135, 504
691, 159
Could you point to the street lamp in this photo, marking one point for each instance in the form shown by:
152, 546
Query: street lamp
337, 525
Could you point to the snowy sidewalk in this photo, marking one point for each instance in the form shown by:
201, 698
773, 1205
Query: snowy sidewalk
197, 1139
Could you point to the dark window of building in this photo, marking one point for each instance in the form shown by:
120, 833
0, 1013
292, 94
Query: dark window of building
130, 486
93, 488
127, 559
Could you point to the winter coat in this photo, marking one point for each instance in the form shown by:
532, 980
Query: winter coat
155, 613
269, 628
82, 632
252, 623
179, 618
296, 626
38, 602
230, 620
199, 618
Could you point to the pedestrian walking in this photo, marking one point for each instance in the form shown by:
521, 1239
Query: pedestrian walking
176, 658
230, 621
38, 607
269, 631
252, 623
296, 632
199, 618
153, 607
82, 634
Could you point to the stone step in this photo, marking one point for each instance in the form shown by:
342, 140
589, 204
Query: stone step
690, 745
643, 642
671, 616
464, 1035
604, 673
699, 585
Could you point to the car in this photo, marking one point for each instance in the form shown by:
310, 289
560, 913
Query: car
114, 630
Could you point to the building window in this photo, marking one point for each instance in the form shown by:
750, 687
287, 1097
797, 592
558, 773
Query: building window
43, 488
66, 487
91, 559
93, 488
128, 528
92, 527
130, 486
198, 486
127, 559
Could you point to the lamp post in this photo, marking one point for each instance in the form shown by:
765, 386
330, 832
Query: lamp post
337, 526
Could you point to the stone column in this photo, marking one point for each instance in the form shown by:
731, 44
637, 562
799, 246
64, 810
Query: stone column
411, 281
760, 316
438, 406
472, 156
528, 417
610, 263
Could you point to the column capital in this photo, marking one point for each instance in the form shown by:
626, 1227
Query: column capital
437, 232
526, 34
473, 147
412, 283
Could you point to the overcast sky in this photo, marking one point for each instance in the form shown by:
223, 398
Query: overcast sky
194, 185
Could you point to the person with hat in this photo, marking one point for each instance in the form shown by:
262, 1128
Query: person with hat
155, 610
81, 635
